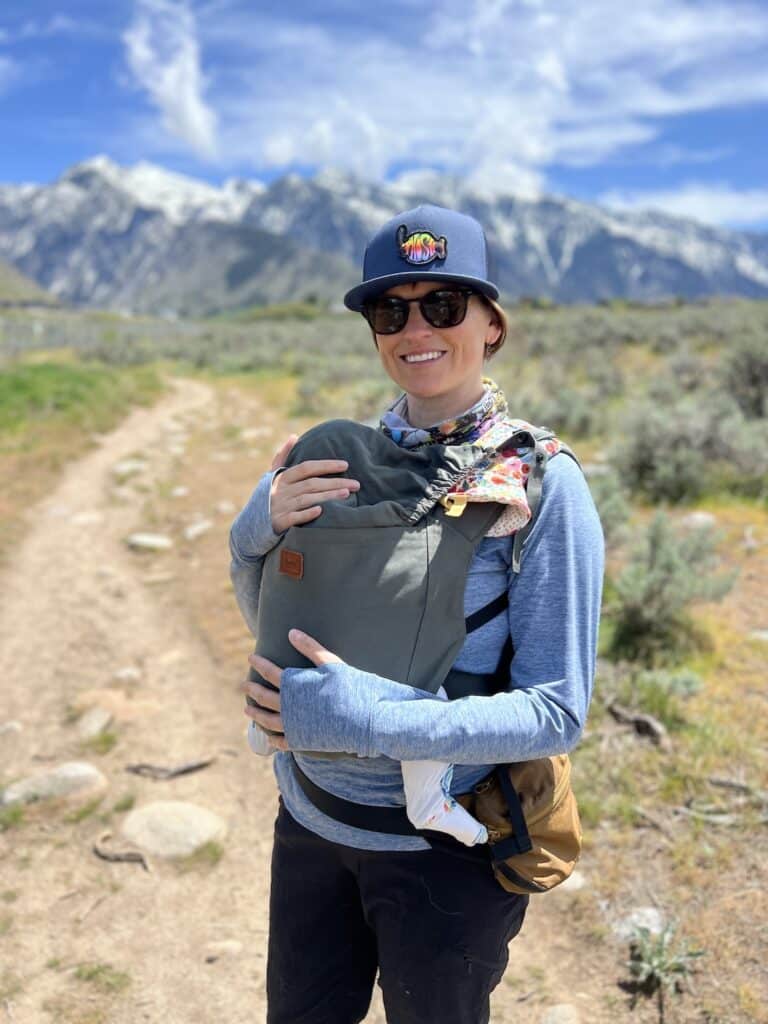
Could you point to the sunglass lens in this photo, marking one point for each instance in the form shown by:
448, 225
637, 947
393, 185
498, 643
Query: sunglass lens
387, 315
444, 308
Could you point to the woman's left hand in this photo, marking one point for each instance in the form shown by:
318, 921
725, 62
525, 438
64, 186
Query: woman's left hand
267, 714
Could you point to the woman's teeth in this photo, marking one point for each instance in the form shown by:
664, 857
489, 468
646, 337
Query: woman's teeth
423, 357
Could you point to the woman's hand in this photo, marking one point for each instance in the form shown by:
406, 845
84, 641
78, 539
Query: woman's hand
267, 714
297, 493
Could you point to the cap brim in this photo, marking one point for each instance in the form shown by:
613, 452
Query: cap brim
356, 298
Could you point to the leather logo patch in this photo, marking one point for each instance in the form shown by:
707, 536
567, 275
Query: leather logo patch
292, 564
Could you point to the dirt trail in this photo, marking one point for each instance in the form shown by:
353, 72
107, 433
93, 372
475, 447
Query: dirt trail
77, 606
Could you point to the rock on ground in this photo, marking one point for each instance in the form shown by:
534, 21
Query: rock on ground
640, 917
562, 1013
149, 542
128, 467
698, 520
71, 779
93, 722
129, 674
171, 828
195, 530
573, 883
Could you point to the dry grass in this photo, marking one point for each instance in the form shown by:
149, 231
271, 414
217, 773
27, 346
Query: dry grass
36, 442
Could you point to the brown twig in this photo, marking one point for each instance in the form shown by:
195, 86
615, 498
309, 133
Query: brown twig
114, 856
760, 795
643, 724
655, 822
709, 817
154, 771
90, 909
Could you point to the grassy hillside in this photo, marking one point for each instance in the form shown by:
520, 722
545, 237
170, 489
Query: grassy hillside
50, 411
18, 290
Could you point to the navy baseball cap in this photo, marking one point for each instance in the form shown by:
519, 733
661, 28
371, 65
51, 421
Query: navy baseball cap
427, 242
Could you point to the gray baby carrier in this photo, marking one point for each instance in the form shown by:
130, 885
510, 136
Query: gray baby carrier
378, 578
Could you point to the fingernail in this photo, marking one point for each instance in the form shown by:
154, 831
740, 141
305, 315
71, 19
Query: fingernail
295, 634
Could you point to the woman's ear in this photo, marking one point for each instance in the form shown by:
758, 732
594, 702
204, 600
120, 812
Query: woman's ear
493, 333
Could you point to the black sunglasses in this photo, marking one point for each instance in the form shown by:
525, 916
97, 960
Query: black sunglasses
444, 307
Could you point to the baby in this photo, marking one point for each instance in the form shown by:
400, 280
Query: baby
428, 801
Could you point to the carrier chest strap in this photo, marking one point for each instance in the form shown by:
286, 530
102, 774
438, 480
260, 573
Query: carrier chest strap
487, 613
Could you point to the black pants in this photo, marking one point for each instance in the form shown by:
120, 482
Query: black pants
435, 924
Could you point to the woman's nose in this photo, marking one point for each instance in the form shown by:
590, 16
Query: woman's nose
416, 325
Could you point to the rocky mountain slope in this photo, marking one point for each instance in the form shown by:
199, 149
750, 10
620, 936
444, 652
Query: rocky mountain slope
144, 239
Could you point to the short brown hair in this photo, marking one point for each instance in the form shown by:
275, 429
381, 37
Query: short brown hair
503, 322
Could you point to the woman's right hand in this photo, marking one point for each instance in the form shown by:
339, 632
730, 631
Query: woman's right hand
297, 493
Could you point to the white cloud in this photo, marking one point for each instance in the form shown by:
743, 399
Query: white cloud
713, 204
163, 54
504, 178
498, 90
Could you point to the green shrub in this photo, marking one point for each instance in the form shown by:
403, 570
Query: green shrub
688, 371
666, 574
103, 976
745, 373
658, 966
612, 505
659, 454
567, 411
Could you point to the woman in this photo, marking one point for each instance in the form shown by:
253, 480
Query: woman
347, 902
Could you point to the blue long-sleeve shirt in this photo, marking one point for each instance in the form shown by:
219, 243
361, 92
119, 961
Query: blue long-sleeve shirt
554, 605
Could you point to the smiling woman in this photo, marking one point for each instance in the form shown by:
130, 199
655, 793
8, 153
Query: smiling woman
396, 705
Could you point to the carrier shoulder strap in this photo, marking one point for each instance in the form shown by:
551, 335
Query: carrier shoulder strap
535, 483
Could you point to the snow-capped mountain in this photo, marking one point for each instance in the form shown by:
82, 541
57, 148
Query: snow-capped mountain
180, 198
146, 239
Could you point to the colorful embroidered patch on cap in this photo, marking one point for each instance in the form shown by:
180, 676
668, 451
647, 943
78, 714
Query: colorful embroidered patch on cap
421, 246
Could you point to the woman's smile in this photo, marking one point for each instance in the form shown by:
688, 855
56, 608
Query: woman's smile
422, 357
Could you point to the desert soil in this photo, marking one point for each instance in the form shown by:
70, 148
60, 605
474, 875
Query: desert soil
183, 942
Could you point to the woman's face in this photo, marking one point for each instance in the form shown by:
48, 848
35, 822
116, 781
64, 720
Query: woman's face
441, 368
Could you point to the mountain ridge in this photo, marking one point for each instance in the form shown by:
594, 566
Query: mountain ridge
123, 237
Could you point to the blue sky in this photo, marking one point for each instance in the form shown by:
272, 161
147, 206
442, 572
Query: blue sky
664, 104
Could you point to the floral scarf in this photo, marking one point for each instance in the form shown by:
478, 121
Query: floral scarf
465, 428
499, 477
